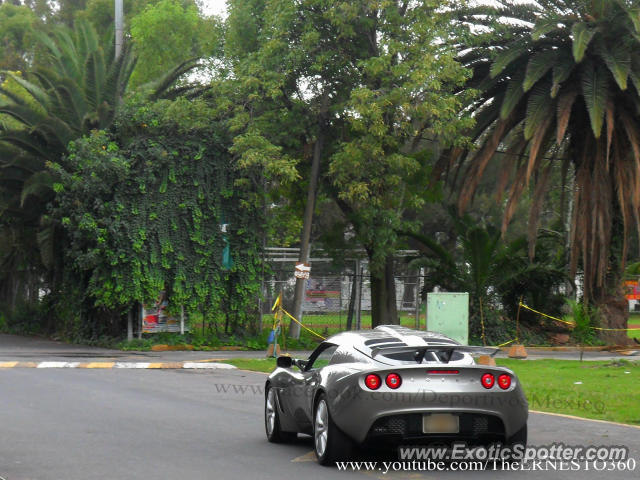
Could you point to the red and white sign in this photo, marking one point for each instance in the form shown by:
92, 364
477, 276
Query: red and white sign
303, 270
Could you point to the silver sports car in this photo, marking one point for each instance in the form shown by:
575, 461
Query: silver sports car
393, 385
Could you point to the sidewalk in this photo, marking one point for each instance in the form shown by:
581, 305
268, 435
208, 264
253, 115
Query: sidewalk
14, 348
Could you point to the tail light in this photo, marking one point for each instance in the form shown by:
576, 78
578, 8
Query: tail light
372, 381
488, 380
504, 381
393, 380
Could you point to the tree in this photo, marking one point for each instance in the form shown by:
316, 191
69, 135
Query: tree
142, 205
559, 83
495, 271
168, 33
17, 24
363, 82
76, 89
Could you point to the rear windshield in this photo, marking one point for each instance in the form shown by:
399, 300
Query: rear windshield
403, 358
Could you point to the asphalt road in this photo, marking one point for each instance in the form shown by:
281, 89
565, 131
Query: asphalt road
76, 424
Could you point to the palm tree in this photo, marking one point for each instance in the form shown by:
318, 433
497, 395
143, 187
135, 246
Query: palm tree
559, 84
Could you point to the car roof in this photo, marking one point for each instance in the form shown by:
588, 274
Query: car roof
389, 336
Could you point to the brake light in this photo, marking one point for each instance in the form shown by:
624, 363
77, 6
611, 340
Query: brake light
372, 381
504, 381
393, 380
488, 380
443, 372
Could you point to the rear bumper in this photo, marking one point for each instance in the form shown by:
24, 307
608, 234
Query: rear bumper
363, 414
475, 428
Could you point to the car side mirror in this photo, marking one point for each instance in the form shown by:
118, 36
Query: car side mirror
284, 362
301, 364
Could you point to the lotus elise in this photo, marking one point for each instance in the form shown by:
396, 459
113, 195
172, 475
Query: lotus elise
393, 386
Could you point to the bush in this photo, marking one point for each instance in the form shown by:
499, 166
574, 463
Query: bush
585, 317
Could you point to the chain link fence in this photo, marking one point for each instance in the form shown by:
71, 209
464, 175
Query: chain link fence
333, 295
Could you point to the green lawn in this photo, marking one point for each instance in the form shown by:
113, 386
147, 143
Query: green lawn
606, 391
337, 322
254, 364
634, 322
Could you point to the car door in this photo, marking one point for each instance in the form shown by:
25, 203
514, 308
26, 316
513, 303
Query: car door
319, 359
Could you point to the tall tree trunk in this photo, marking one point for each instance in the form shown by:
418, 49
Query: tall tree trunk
384, 310
609, 299
614, 313
305, 240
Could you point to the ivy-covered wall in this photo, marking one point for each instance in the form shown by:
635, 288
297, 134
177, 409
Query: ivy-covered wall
143, 207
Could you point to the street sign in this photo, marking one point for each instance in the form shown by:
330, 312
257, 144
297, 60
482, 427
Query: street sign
303, 270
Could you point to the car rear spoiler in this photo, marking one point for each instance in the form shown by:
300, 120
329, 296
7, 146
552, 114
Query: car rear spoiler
446, 349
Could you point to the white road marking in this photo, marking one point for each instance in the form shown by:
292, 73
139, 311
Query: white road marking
131, 365
211, 366
58, 364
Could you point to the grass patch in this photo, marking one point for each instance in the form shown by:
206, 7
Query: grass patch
634, 322
266, 365
606, 391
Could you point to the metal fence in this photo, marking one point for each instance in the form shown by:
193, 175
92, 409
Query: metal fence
335, 293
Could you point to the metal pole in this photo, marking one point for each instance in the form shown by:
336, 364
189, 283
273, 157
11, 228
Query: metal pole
130, 325
358, 303
119, 26
182, 320
418, 301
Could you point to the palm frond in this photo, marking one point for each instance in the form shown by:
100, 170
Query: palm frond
539, 64
582, 35
595, 90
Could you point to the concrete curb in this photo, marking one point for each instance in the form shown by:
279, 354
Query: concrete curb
606, 348
126, 365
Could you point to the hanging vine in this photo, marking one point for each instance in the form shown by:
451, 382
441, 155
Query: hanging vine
144, 206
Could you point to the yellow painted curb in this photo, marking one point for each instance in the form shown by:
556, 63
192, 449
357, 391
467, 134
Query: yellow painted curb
172, 365
98, 365
118, 365
307, 457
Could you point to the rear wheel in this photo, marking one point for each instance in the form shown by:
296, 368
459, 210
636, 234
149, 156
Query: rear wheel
272, 420
330, 444
519, 438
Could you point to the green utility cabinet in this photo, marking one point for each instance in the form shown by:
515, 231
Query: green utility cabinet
448, 313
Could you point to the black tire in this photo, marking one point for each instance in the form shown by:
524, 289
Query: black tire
329, 442
272, 428
519, 438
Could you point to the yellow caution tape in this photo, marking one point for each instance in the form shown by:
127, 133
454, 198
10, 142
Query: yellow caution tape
277, 302
572, 323
278, 309
506, 343
306, 328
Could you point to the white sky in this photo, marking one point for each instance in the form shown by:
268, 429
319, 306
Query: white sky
214, 7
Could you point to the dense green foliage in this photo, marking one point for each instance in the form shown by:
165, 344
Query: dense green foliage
358, 84
168, 33
143, 207
169, 168
17, 24
496, 272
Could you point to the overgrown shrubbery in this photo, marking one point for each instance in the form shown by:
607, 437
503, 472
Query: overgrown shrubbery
143, 206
